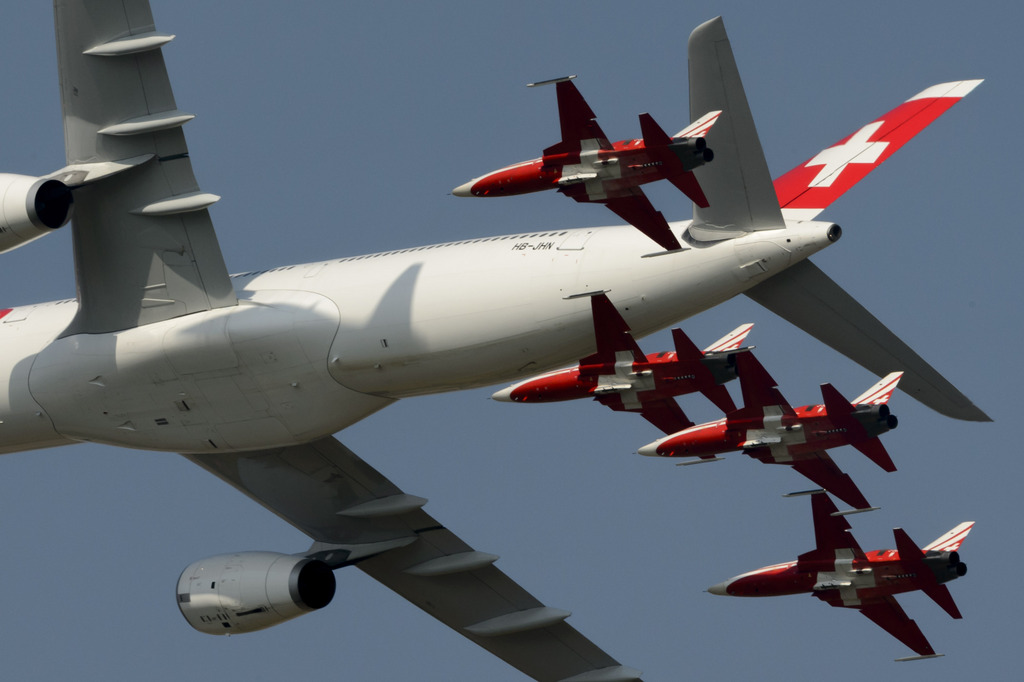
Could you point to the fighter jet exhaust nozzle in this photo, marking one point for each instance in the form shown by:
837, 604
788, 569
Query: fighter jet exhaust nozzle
692, 151
876, 418
946, 565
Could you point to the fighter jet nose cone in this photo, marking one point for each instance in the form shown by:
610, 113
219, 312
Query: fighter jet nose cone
465, 190
720, 589
504, 395
649, 450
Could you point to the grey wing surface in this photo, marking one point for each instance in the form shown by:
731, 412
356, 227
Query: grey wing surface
145, 248
358, 517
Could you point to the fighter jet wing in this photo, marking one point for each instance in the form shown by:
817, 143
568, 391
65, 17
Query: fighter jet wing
358, 517
664, 413
145, 248
760, 391
577, 120
612, 336
831, 533
890, 616
616, 345
637, 210
823, 471
630, 204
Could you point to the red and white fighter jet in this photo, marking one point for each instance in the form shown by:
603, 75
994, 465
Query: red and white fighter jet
839, 573
589, 168
620, 376
768, 429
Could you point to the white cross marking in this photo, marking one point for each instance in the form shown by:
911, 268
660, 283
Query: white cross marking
858, 149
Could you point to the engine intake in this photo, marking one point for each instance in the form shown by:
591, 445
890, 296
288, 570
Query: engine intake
236, 593
31, 207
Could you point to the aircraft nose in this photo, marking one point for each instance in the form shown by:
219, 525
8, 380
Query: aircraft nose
721, 588
650, 450
465, 190
505, 394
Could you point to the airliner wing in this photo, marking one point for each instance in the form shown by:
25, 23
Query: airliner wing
145, 248
358, 517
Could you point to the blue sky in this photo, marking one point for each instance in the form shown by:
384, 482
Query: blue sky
333, 130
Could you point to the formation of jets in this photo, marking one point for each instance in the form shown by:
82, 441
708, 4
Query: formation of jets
249, 376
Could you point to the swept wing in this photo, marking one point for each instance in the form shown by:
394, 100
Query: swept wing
358, 517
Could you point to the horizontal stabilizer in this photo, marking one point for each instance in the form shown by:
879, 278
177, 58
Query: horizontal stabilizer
913, 560
807, 298
873, 449
653, 134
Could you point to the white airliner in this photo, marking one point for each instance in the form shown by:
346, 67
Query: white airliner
249, 375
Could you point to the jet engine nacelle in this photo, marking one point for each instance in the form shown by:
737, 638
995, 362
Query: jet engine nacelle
31, 207
234, 593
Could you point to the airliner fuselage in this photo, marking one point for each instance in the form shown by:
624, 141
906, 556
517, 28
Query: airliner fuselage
314, 348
